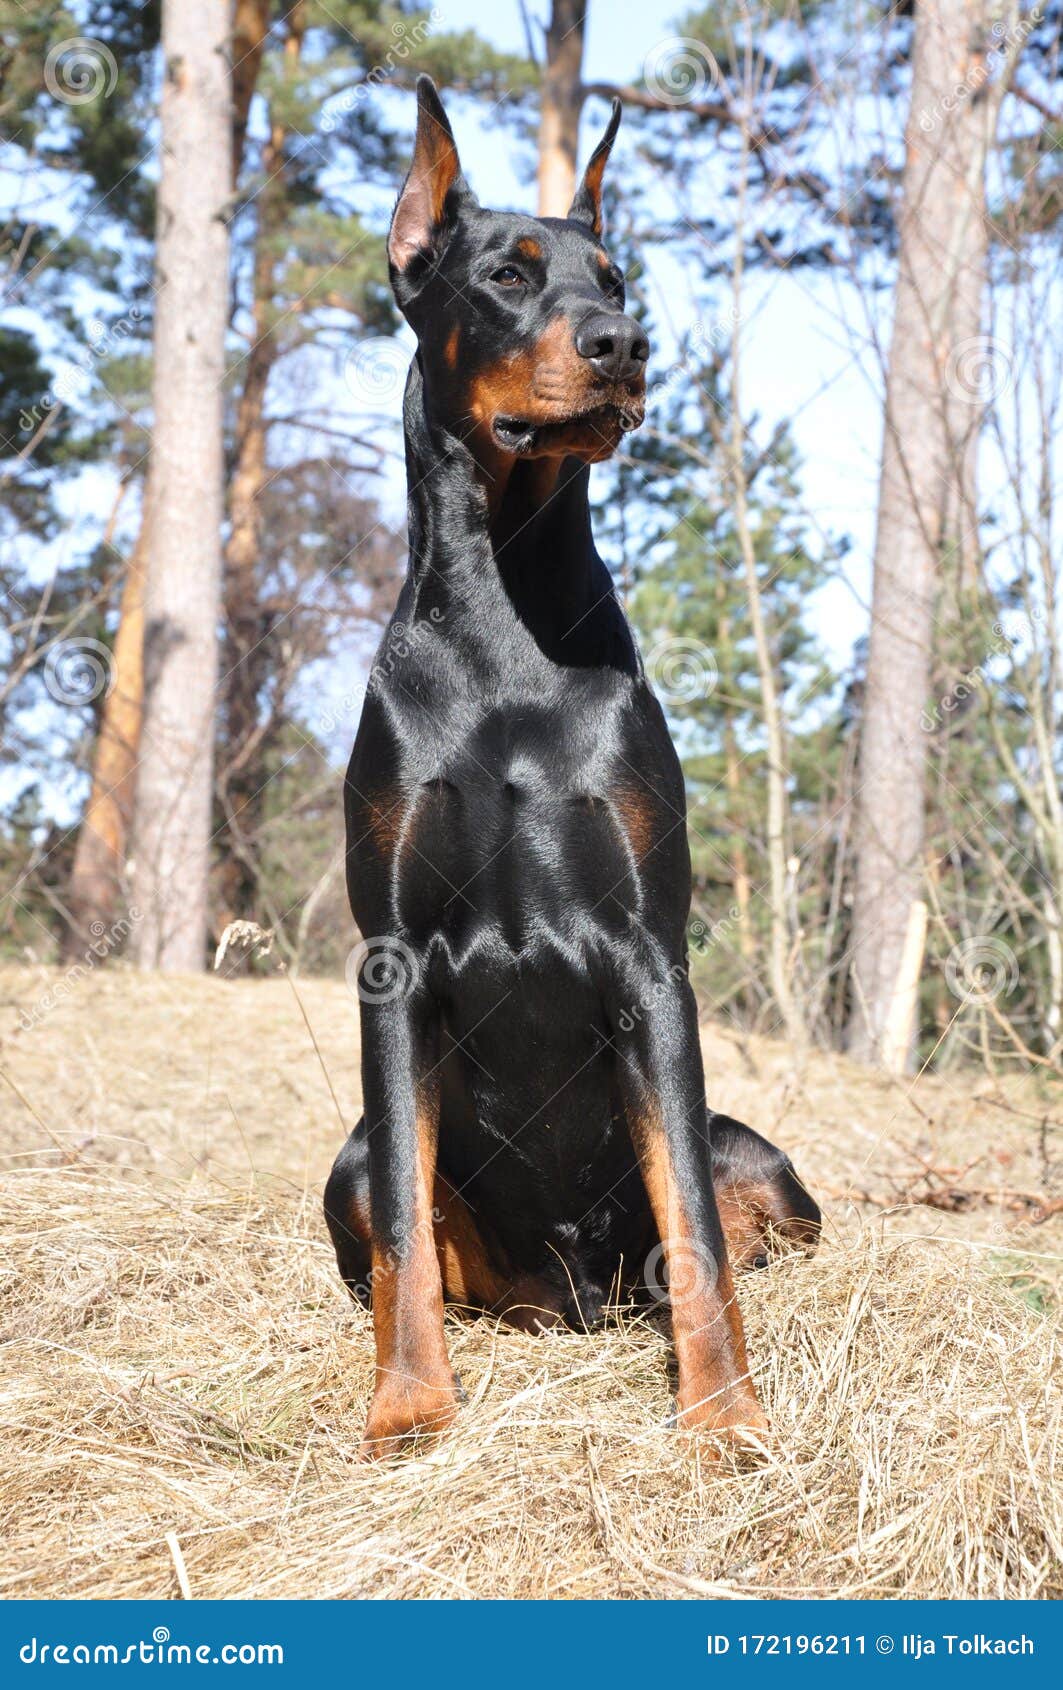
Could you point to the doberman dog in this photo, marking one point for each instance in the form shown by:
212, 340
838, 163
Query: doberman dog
535, 1128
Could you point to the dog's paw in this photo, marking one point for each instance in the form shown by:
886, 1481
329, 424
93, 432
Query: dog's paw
401, 1414
735, 1427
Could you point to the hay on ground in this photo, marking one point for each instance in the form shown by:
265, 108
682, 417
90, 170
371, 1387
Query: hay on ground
178, 1356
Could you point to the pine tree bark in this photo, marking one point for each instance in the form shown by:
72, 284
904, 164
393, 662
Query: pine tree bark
250, 31
240, 780
927, 503
560, 106
102, 844
99, 856
182, 596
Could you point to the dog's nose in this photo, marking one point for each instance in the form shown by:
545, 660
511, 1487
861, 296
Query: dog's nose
584, 1308
614, 346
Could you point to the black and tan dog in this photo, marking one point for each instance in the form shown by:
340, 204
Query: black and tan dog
535, 1123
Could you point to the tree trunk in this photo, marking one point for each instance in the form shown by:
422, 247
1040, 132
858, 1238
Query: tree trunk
926, 494
740, 882
101, 848
972, 366
99, 856
777, 816
250, 29
741, 885
237, 783
561, 105
175, 785
240, 780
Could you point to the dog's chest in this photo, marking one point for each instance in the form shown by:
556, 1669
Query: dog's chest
531, 821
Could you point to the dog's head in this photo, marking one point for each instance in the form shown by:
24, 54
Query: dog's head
524, 343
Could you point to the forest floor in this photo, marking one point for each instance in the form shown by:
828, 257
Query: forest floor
183, 1380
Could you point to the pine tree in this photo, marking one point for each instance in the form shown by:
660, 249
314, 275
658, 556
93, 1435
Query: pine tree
691, 606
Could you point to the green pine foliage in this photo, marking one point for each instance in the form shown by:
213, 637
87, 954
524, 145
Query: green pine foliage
691, 606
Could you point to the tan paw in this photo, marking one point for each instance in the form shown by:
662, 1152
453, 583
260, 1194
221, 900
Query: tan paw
736, 1424
399, 1414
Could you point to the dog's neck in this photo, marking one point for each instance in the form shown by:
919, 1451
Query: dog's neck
486, 530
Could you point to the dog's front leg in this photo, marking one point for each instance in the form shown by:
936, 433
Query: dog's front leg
414, 1389
660, 1072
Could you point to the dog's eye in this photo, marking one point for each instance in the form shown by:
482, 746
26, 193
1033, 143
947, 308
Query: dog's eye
614, 284
508, 277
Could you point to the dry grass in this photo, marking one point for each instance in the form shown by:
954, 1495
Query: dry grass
178, 1355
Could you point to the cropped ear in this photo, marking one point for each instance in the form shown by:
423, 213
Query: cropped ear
433, 188
587, 205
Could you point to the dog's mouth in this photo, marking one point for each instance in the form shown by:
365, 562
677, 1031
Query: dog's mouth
592, 434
